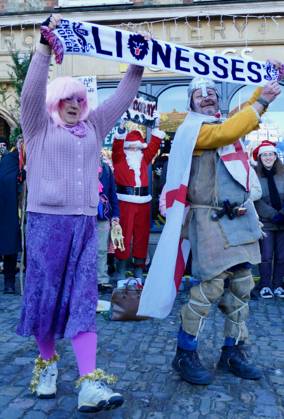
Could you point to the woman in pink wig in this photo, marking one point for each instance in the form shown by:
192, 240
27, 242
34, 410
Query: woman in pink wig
63, 139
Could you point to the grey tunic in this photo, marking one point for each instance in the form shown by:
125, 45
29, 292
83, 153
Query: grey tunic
218, 245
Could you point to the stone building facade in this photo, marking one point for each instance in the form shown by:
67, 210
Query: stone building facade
247, 28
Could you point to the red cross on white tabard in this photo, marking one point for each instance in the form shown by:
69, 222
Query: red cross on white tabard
240, 155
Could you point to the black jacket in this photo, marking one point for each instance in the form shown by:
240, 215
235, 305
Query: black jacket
108, 206
10, 238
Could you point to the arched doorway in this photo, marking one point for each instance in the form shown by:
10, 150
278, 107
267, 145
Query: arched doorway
4, 128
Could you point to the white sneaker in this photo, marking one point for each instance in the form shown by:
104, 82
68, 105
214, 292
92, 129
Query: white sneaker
46, 388
95, 396
279, 292
266, 292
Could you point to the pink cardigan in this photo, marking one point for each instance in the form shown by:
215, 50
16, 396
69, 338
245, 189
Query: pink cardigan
61, 167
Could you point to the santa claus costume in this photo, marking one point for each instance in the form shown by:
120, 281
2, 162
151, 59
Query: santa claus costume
131, 157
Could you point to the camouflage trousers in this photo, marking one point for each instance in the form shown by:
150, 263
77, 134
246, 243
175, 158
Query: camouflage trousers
233, 303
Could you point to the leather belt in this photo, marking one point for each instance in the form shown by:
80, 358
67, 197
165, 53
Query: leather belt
231, 210
133, 190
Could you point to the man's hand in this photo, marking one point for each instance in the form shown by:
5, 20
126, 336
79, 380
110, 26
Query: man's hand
270, 91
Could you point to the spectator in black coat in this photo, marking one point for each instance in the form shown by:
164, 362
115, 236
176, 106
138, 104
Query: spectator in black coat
108, 217
10, 237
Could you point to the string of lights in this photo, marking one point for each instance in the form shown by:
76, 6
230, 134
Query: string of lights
195, 24
265, 18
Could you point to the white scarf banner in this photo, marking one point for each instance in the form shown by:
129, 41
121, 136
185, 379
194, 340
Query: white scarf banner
114, 44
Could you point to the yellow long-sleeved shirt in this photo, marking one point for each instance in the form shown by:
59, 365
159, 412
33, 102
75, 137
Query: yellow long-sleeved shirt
213, 136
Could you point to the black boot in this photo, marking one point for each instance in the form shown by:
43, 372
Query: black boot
105, 287
110, 264
10, 263
234, 359
188, 365
254, 294
9, 286
138, 267
120, 269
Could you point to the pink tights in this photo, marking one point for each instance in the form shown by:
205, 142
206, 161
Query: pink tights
85, 348
46, 347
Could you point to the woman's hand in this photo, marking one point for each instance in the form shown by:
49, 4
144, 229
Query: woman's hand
48, 25
51, 23
55, 21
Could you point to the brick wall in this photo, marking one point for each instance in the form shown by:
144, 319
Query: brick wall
26, 5
41, 5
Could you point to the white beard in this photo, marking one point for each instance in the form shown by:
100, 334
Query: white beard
134, 158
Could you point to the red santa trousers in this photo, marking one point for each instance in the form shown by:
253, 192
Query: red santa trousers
135, 223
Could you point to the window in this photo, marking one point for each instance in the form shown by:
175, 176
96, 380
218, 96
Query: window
172, 104
77, 3
272, 126
104, 93
173, 99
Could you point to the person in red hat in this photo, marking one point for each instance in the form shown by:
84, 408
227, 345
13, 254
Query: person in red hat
265, 146
131, 157
270, 171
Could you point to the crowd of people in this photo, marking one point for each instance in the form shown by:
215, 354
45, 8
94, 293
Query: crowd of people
81, 206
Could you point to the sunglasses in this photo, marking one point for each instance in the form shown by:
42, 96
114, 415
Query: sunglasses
71, 99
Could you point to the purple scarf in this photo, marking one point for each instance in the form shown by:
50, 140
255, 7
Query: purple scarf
79, 129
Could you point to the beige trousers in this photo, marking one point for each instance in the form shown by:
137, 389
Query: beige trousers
103, 243
233, 303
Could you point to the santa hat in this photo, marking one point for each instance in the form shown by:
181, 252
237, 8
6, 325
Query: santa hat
134, 139
263, 147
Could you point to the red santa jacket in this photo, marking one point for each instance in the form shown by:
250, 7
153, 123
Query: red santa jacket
131, 167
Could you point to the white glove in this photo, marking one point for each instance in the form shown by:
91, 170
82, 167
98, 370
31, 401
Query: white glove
158, 171
156, 116
123, 120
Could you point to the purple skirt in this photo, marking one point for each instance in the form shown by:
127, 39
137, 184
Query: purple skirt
61, 293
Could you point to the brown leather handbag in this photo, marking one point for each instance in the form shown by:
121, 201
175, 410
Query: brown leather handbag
125, 301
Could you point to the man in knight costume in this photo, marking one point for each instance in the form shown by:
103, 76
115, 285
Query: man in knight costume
208, 173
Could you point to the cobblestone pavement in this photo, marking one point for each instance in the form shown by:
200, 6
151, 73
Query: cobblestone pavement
140, 354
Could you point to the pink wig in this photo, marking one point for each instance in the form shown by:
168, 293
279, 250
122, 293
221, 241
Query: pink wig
62, 88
